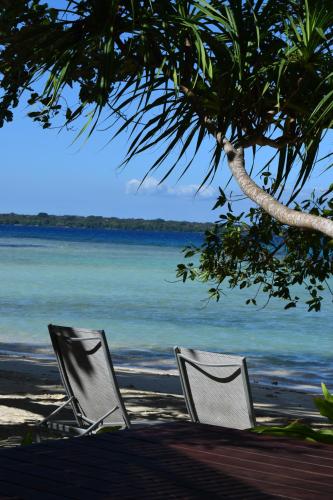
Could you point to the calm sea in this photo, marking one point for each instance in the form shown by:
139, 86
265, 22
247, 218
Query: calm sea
124, 282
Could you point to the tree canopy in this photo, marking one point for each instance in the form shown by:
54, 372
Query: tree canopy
245, 73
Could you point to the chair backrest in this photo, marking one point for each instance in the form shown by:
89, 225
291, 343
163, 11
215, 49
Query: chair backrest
216, 388
87, 374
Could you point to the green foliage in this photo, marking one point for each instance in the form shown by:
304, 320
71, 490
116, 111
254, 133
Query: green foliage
325, 405
297, 430
302, 431
28, 439
253, 250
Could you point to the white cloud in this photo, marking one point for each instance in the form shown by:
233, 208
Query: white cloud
151, 186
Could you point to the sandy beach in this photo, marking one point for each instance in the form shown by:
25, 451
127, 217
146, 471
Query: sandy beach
30, 389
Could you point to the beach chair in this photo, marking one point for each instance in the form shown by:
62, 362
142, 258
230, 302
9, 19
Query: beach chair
89, 380
216, 388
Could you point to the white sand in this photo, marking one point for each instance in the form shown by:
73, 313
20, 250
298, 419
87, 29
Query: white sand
30, 389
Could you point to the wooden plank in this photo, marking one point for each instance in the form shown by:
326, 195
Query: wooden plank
276, 474
68, 481
17, 492
181, 460
81, 469
317, 470
285, 474
103, 480
168, 482
191, 473
257, 460
213, 435
32, 485
281, 478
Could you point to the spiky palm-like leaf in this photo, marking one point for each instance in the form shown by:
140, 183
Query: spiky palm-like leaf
259, 72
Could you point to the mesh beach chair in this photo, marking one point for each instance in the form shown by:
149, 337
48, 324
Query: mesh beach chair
89, 380
216, 388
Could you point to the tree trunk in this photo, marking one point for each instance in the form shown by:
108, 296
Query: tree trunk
274, 208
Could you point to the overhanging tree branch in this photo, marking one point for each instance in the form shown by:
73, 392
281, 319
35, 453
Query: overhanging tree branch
280, 212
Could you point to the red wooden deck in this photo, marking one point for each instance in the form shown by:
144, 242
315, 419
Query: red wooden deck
179, 460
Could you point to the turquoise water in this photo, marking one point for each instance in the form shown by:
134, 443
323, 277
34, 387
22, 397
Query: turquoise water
124, 282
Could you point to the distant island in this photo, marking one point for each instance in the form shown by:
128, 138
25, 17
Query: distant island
99, 222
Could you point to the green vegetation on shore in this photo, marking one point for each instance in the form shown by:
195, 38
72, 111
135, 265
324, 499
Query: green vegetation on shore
93, 221
301, 430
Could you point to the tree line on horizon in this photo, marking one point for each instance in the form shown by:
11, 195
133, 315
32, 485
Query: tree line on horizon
44, 219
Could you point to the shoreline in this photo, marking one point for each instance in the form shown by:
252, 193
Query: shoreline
30, 389
283, 374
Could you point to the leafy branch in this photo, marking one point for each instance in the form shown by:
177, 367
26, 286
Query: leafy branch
254, 250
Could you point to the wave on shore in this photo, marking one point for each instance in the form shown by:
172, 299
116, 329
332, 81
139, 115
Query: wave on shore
288, 371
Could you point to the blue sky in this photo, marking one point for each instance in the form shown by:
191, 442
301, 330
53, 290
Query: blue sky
43, 172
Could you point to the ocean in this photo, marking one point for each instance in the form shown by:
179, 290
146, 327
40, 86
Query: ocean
125, 283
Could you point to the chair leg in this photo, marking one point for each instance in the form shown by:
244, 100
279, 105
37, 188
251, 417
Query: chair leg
38, 436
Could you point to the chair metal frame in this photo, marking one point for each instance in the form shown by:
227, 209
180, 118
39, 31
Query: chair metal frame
186, 386
82, 425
